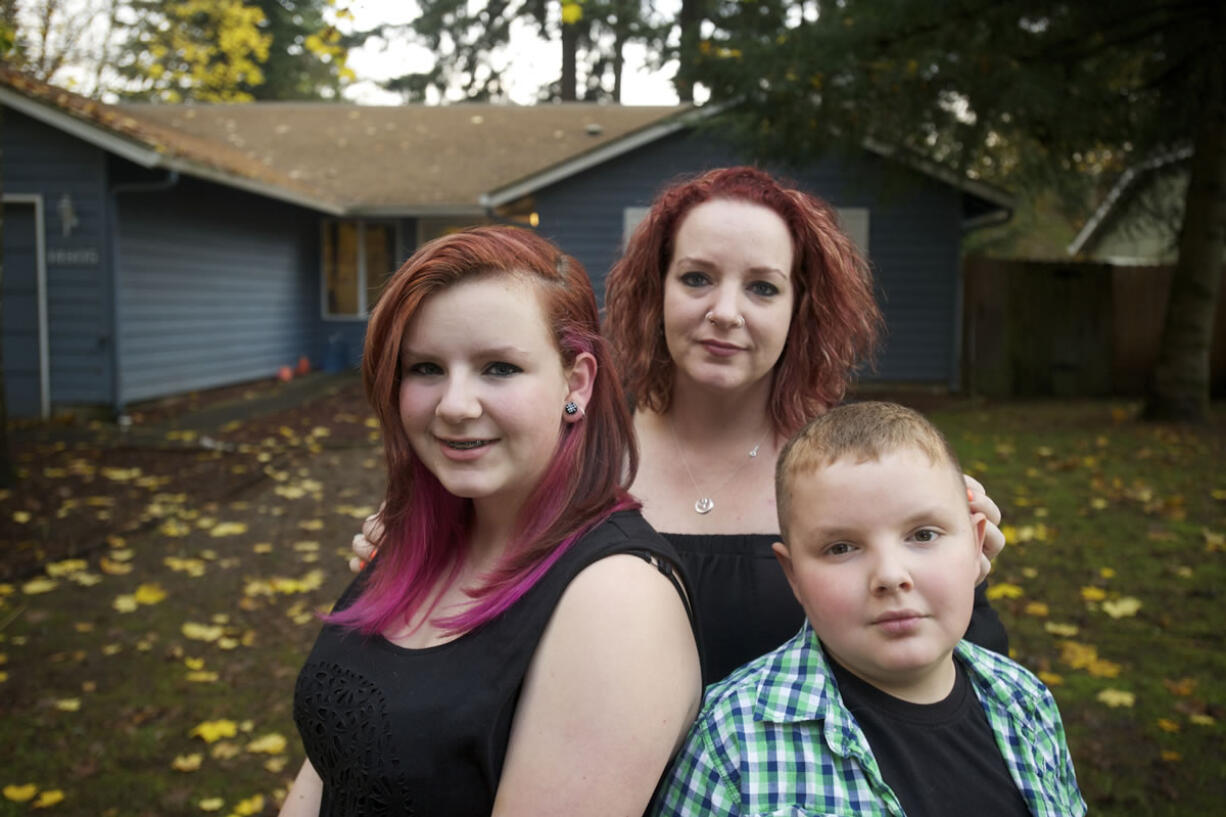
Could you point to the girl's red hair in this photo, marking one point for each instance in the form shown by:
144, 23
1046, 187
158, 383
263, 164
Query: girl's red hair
835, 320
426, 527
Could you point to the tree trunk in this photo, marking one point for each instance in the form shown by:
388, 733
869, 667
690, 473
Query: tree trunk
1179, 388
570, 48
690, 20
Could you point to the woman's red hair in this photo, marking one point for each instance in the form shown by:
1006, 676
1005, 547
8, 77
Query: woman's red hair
426, 527
835, 320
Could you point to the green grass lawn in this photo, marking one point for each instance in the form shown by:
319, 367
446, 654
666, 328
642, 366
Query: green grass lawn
1112, 589
155, 677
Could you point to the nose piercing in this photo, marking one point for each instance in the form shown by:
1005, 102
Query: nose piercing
736, 324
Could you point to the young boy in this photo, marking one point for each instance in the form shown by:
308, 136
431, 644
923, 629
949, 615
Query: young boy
877, 706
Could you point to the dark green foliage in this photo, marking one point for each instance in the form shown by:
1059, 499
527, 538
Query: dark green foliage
1035, 94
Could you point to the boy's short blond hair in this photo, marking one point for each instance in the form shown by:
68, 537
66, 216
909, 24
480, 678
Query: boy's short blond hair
862, 431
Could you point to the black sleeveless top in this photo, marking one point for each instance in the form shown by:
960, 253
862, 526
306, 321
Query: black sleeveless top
396, 731
745, 607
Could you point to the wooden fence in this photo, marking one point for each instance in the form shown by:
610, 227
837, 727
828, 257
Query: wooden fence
1068, 329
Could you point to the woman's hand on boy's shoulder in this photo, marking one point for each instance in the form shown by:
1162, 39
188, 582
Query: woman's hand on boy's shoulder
993, 538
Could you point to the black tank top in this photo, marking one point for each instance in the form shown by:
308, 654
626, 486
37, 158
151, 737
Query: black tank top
395, 731
745, 607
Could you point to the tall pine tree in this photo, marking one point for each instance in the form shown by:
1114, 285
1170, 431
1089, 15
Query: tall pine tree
1031, 92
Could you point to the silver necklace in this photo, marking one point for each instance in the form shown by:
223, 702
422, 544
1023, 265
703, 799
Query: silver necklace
705, 504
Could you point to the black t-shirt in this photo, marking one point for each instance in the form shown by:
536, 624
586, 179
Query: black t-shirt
395, 731
941, 759
745, 607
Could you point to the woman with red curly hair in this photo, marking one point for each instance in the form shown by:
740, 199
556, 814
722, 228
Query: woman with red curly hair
521, 645
739, 312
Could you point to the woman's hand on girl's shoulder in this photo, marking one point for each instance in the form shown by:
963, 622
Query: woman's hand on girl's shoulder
611, 692
366, 543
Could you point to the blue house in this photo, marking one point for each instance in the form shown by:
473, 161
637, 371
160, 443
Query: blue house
151, 250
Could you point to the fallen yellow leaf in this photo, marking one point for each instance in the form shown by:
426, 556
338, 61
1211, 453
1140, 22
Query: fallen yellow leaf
38, 586
1093, 593
1052, 679
20, 794
1077, 655
187, 763
1004, 591
1036, 608
1202, 720
48, 798
201, 632
113, 568
276, 764
212, 731
202, 677
22, 518
226, 750
68, 704
211, 804
1116, 697
125, 604
228, 529
149, 594
252, 805
1122, 607
311, 524
66, 567
1168, 725
270, 744
1170, 756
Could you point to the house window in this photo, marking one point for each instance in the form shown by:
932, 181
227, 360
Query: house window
853, 220
358, 258
631, 217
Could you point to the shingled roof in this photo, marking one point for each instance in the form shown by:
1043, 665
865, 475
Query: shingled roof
342, 158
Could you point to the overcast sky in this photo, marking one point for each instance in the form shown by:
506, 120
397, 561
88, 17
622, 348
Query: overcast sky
532, 62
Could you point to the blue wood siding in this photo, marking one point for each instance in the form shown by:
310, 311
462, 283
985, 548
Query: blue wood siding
215, 286
22, 385
41, 160
914, 235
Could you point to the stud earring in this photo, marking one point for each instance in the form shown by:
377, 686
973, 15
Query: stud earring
572, 408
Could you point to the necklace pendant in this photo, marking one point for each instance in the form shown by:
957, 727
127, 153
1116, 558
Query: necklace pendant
704, 504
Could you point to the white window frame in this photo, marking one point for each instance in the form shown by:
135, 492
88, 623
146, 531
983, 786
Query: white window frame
363, 312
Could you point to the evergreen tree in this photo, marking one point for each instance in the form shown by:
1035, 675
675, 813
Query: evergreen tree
1031, 92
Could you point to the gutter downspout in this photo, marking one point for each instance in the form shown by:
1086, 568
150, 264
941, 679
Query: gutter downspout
162, 185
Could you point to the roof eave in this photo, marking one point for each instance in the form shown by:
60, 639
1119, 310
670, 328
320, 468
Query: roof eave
985, 191
59, 119
1095, 222
148, 156
598, 155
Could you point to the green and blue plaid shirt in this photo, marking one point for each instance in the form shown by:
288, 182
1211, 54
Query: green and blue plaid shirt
774, 738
